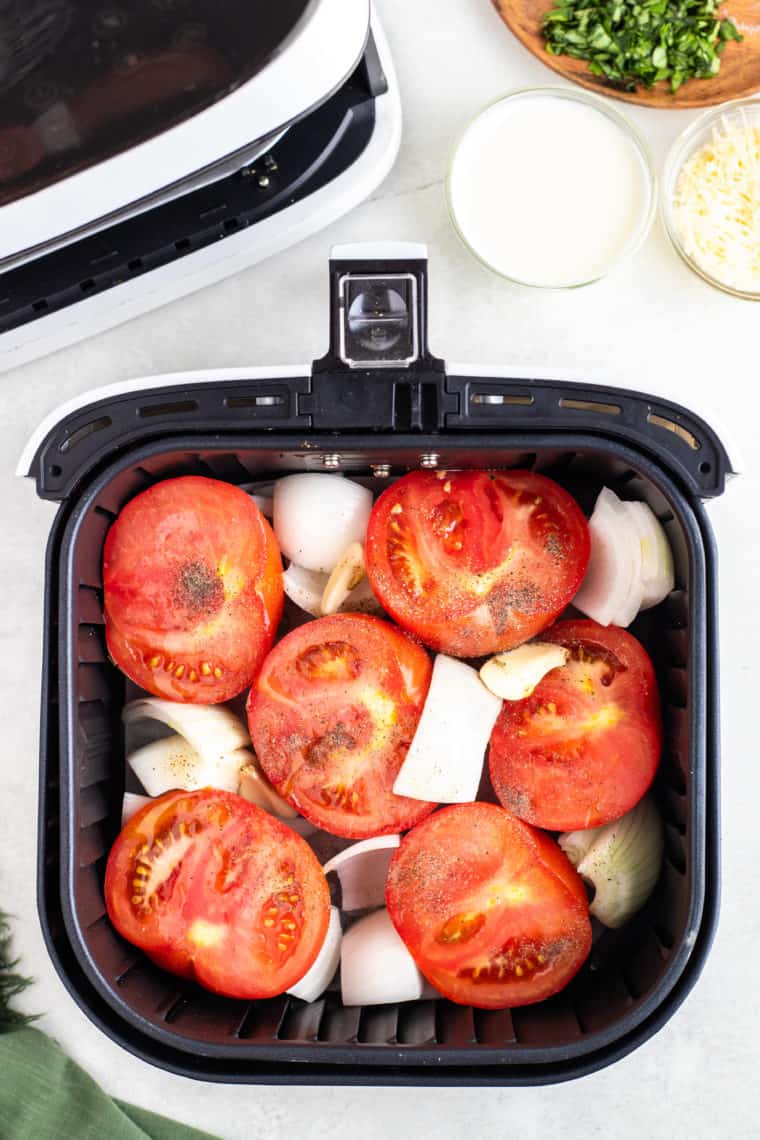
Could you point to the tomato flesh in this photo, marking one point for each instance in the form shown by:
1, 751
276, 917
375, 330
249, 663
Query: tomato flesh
491, 910
584, 747
475, 562
215, 889
193, 592
332, 715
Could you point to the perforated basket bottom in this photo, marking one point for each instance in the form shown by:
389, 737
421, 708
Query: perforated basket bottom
629, 972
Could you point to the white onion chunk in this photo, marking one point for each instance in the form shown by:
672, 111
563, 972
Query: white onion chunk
375, 965
445, 759
318, 977
316, 516
362, 870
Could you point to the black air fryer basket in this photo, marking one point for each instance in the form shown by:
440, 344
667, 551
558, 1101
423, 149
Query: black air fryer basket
378, 404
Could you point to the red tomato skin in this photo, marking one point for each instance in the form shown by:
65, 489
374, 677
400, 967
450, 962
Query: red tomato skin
332, 743
192, 590
553, 772
239, 903
517, 950
476, 562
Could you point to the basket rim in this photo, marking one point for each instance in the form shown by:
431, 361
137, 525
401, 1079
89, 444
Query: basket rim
516, 1064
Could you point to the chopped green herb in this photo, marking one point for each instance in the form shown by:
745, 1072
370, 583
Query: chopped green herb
632, 42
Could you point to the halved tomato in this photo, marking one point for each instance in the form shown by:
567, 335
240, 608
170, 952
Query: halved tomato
215, 889
584, 747
193, 593
332, 715
475, 562
490, 909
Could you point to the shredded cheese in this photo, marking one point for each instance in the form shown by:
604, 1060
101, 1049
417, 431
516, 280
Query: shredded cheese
716, 206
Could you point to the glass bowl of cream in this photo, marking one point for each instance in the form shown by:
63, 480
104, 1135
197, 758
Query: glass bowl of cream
711, 197
551, 188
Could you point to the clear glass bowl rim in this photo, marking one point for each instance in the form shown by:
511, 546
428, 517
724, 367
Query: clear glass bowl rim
638, 234
697, 133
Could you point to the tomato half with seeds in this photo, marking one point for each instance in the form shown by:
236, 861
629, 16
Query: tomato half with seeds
192, 581
490, 909
584, 747
332, 715
475, 562
215, 889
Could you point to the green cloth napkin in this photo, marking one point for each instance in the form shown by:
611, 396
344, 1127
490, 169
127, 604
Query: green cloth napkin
44, 1095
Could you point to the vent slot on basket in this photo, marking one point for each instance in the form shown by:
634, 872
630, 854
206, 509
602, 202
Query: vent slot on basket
590, 406
491, 399
265, 400
378, 1025
676, 429
339, 1022
169, 408
82, 432
263, 1019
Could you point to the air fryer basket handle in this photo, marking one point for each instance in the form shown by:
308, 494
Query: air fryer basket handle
400, 386
380, 378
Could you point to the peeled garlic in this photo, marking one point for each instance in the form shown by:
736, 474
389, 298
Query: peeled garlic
621, 861
306, 588
514, 675
345, 577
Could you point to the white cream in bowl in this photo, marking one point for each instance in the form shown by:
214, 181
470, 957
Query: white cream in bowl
550, 188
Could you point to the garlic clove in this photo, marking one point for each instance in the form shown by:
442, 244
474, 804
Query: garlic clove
307, 587
514, 675
345, 577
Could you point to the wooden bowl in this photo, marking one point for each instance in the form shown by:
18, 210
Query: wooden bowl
738, 77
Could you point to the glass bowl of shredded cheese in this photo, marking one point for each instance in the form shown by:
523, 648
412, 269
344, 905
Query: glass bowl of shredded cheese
711, 197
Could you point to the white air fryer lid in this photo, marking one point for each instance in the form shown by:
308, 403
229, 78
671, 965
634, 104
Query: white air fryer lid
101, 107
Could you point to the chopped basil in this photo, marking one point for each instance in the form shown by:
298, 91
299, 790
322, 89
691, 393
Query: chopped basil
632, 42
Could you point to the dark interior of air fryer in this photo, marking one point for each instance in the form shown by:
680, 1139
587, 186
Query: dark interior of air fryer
627, 968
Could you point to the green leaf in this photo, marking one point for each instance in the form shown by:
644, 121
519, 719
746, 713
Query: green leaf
11, 983
633, 42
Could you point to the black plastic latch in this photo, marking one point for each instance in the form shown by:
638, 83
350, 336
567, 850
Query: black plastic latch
379, 373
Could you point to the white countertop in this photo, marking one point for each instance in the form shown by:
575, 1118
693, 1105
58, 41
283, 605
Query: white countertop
651, 325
